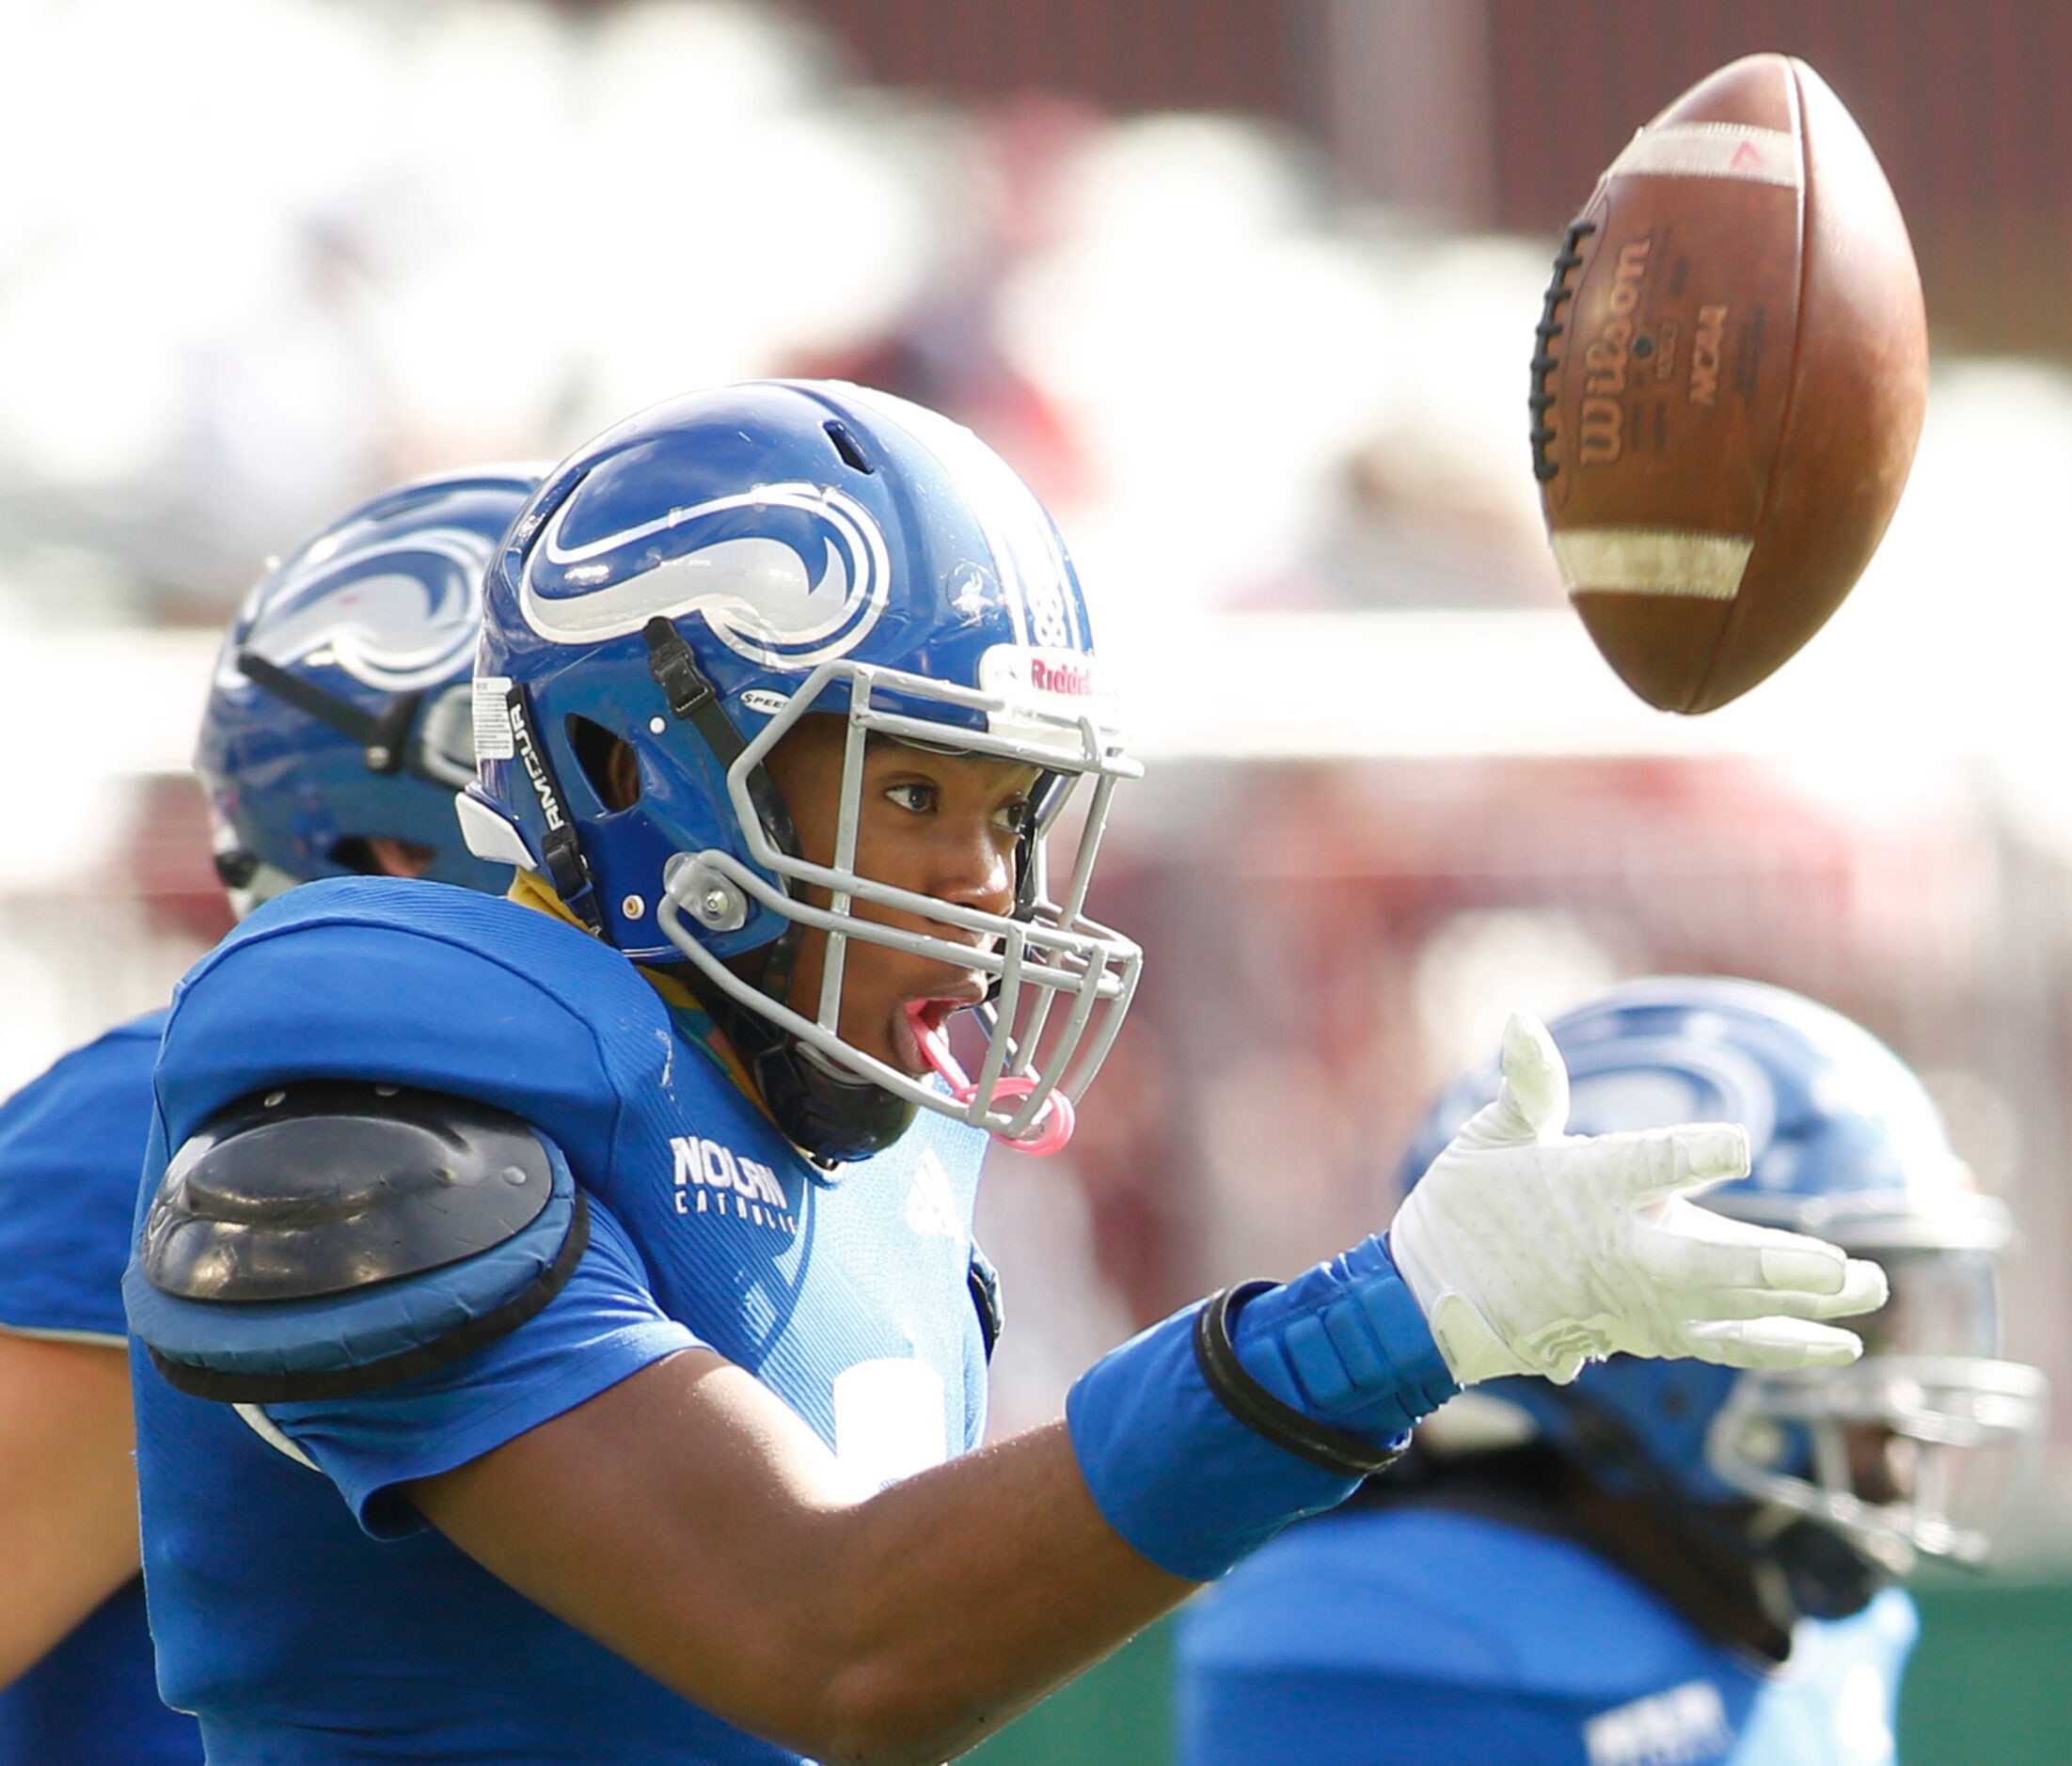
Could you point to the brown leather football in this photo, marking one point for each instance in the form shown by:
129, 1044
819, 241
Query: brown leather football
1733, 363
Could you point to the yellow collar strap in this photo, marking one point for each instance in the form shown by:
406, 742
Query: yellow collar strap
529, 889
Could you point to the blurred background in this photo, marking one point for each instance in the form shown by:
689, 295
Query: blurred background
1245, 288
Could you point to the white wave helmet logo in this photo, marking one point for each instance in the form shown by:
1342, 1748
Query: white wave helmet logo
395, 617
756, 594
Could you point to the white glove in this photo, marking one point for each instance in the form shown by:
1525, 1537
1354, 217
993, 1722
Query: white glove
1533, 1252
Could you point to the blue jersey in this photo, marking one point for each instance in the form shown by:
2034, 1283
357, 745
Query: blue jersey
71, 1143
1420, 1635
302, 1607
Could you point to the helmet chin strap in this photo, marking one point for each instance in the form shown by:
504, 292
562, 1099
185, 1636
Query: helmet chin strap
1824, 1575
385, 737
834, 1117
1799, 1567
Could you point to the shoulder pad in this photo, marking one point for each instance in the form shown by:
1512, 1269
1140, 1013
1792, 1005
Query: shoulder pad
330, 1236
330, 1185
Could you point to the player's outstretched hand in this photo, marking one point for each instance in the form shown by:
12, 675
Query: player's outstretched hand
1532, 1251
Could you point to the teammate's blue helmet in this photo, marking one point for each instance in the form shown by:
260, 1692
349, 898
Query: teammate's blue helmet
692, 584
339, 711
1845, 1144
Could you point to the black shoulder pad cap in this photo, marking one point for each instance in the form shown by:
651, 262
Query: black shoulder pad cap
332, 1237
327, 1185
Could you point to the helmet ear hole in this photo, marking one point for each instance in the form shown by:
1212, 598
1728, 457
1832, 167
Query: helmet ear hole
381, 855
607, 763
355, 854
848, 447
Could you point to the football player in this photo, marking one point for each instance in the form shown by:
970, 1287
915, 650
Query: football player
559, 1331
1670, 1561
335, 737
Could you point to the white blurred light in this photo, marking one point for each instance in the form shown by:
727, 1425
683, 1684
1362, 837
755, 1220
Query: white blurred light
708, 67
1158, 183
484, 103
1220, 358
1451, 420
1482, 965
89, 386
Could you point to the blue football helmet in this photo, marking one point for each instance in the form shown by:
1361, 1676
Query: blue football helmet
692, 584
1845, 1144
338, 711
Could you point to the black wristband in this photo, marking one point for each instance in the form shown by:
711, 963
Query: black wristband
1334, 1450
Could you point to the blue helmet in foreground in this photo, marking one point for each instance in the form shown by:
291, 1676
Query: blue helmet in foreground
1918, 1446
339, 711
693, 583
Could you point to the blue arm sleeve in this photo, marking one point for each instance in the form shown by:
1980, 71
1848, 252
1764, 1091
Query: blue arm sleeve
1193, 1487
71, 1148
603, 1326
1346, 1342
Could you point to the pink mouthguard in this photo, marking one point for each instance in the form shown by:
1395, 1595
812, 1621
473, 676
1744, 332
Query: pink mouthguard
1049, 1131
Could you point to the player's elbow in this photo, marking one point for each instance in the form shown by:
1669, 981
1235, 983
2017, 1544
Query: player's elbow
881, 1714
845, 1701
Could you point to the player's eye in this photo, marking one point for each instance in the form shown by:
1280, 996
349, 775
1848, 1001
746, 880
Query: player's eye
918, 798
1014, 814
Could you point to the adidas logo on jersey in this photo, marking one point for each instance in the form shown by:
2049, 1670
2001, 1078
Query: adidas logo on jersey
714, 1180
931, 1205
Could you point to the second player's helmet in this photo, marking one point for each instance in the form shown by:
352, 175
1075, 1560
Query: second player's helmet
338, 712
1845, 1144
692, 584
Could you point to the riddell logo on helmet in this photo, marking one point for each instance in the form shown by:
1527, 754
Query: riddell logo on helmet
1073, 679
1051, 693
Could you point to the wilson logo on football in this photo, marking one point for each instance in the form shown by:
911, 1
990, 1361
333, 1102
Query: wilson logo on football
788, 576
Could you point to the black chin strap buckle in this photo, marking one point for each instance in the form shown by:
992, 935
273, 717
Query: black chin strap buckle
693, 700
384, 737
387, 747
676, 673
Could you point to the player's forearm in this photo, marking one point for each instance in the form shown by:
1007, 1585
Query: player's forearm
68, 1490
1183, 1450
965, 1593
960, 1597
750, 1579
50, 1590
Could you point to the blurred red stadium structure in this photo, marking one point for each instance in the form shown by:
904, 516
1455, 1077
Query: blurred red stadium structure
1494, 115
